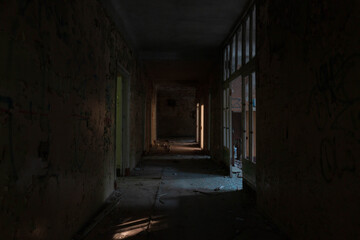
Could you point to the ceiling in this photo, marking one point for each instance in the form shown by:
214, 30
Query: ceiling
179, 72
179, 41
175, 29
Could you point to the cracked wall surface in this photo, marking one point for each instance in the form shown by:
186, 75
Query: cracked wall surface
308, 92
58, 66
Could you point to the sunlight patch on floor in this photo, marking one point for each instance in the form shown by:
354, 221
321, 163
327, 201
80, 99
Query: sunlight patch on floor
132, 228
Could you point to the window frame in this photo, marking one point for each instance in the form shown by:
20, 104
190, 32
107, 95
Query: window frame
244, 68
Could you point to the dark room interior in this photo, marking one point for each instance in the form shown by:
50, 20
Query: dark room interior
137, 119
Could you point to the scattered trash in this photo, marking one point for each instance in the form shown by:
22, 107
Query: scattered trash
218, 188
160, 196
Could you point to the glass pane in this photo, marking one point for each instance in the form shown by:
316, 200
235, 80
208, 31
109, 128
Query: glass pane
228, 128
224, 99
236, 113
253, 31
254, 115
246, 111
227, 118
233, 53
254, 91
228, 62
224, 143
247, 37
236, 95
224, 118
239, 43
225, 64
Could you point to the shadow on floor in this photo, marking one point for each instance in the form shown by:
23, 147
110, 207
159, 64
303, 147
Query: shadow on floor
221, 215
183, 199
200, 167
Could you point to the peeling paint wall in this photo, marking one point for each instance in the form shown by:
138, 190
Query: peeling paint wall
308, 169
58, 66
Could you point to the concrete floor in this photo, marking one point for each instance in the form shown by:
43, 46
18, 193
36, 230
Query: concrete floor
182, 197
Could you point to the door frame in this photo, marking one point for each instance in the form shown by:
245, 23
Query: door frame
125, 138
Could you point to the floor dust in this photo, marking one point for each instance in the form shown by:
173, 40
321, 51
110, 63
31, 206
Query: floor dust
182, 196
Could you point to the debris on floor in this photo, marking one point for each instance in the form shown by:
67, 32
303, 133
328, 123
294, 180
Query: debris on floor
201, 204
219, 188
205, 193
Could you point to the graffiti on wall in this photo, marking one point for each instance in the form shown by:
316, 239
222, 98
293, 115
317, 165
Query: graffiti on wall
334, 104
6, 126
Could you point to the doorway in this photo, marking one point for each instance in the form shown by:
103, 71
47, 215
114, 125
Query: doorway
202, 126
197, 122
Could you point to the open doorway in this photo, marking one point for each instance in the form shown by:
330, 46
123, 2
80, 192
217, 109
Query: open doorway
237, 128
202, 126
197, 122
175, 112
240, 122
176, 120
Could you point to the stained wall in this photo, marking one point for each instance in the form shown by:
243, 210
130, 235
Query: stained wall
58, 65
308, 90
176, 112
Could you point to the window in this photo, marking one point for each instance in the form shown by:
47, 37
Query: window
233, 54
239, 48
239, 91
226, 118
253, 30
247, 40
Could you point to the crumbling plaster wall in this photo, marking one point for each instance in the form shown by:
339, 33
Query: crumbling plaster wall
308, 169
176, 112
58, 66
